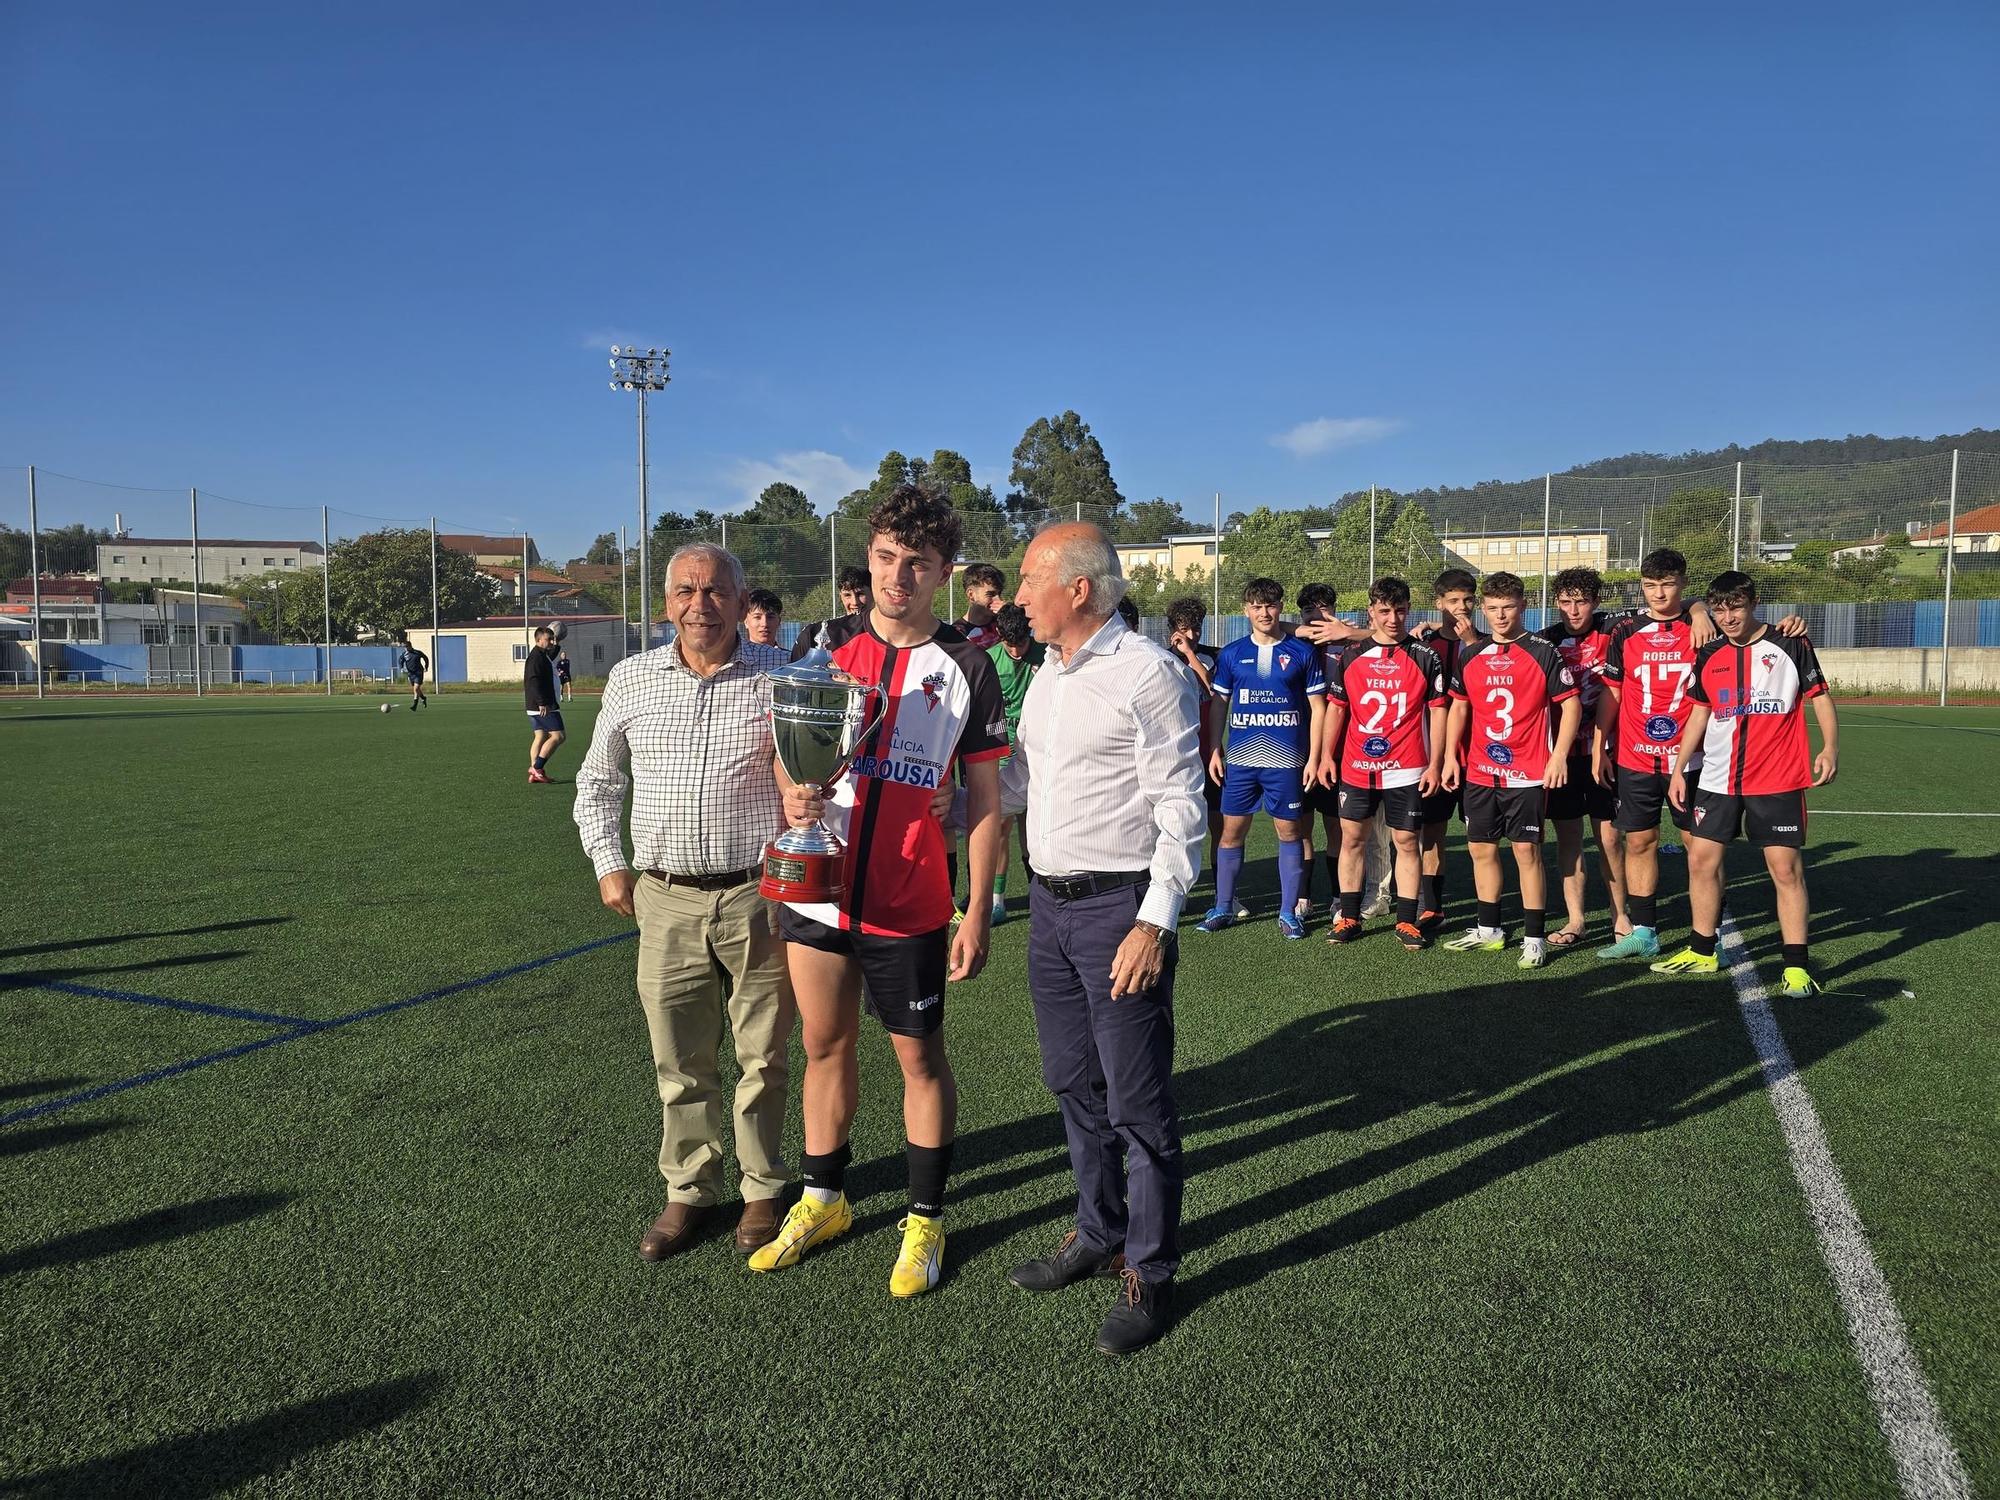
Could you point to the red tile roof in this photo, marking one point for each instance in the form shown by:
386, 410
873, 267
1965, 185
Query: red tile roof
1984, 520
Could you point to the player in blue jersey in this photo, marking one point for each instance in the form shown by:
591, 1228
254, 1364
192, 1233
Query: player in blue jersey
1270, 691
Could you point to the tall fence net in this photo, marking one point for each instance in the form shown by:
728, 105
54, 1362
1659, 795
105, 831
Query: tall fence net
120, 586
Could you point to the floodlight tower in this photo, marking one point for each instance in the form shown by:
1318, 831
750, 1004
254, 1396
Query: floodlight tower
640, 370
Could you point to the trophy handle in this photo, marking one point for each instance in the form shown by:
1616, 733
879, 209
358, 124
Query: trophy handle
840, 770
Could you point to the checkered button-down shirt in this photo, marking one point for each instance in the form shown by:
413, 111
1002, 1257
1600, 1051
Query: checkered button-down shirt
704, 798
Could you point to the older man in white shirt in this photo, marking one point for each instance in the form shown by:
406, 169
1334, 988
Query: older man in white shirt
1108, 767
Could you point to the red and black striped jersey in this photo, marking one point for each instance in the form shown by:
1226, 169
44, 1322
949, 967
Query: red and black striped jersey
942, 706
1584, 654
1388, 692
1756, 695
1652, 661
1510, 685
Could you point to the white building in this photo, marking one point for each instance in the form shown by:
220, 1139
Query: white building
141, 559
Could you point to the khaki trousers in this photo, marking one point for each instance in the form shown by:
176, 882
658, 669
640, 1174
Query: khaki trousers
699, 953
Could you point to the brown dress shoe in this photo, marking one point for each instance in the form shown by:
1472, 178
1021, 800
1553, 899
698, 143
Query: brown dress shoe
758, 1226
673, 1231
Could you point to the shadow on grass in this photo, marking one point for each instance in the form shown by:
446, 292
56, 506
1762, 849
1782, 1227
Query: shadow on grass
155, 1228
1501, 1074
219, 1459
28, 979
134, 937
28, 1088
16, 1142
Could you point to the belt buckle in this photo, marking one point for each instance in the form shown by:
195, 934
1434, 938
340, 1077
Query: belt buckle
1070, 887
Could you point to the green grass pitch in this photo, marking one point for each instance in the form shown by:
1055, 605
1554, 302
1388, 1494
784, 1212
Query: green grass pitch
1449, 1229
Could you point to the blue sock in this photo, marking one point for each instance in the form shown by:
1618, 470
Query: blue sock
1227, 863
1291, 875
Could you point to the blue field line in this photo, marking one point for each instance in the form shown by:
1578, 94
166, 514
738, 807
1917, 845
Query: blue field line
298, 1028
133, 997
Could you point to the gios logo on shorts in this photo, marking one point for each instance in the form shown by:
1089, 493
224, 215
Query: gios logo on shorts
1375, 747
1661, 728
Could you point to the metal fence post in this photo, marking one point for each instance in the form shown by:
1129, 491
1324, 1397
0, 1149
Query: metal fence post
35, 584
527, 637
1214, 576
1736, 521
1950, 566
1548, 491
832, 562
1371, 535
194, 530
624, 600
326, 595
437, 681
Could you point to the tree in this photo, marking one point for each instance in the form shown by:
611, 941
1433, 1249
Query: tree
1058, 466
1151, 521
1695, 523
380, 582
13, 553
1269, 544
1411, 549
604, 550
781, 504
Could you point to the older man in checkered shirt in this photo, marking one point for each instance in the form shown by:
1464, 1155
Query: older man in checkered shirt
692, 719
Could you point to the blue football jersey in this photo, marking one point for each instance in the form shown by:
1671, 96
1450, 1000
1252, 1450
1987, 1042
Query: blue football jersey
1269, 690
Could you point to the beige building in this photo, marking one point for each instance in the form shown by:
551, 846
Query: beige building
495, 650
142, 559
489, 551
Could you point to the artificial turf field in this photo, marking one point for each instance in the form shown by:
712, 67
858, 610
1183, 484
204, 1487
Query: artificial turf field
1450, 1229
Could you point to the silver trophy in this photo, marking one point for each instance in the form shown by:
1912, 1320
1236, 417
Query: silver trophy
820, 719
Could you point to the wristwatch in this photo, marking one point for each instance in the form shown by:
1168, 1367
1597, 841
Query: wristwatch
1154, 931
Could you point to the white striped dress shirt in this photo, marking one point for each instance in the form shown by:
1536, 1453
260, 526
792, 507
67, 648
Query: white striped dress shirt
705, 800
1107, 764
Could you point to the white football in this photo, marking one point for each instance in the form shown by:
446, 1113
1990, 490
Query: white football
386, 708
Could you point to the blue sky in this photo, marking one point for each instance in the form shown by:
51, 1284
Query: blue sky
371, 257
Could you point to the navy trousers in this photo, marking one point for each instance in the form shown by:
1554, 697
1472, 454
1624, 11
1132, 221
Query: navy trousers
1110, 1064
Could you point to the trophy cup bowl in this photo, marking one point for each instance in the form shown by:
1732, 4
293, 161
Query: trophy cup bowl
820, 718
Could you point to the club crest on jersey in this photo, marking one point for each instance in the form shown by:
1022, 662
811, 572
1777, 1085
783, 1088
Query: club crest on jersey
1661, 728
1699, 814
1375, 747
932, 685
1767, 661
1500, 755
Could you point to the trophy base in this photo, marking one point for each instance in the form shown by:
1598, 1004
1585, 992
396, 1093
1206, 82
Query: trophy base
811, 878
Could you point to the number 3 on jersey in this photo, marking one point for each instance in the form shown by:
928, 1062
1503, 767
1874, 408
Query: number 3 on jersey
1500, 704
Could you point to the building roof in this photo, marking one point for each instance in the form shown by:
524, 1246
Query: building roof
515, 622
57, 586
595, 572
535, 575
1983, 520
207, 541
466, 541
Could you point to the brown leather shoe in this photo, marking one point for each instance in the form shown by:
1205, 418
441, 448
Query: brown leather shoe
758, 1226
673, 1231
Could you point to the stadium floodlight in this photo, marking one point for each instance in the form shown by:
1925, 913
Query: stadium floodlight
642, 373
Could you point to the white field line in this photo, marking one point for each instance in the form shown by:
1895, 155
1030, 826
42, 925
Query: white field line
1856, 812
1927, 1465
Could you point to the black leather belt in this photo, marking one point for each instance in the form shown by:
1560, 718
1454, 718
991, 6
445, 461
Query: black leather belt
1076, 887
710, 882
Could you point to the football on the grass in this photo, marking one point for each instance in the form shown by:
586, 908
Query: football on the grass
386, 708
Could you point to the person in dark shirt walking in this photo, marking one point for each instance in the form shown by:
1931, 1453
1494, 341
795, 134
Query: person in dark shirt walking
538, 681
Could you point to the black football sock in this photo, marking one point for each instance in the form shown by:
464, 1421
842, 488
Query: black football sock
541, 761
951, 874
1795, 955
1702, 943
828, 1173
1332, 863
1534, 920
1350, 906
929, 1166
1432, 892
1406, 911
1489, 914
1644, 910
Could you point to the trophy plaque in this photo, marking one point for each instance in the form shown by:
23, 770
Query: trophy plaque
820, 718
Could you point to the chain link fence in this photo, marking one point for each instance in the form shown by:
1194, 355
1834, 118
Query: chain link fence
1894, 563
